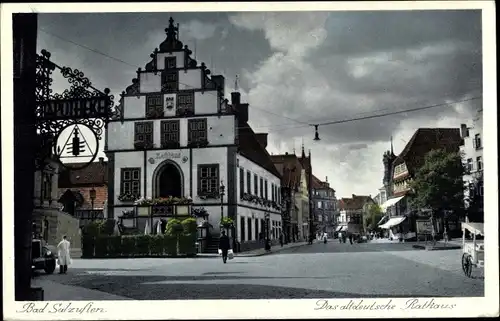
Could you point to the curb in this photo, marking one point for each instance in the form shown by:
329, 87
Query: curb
437, 248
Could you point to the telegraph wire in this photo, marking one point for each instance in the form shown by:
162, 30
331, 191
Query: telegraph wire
135, 66
303, 123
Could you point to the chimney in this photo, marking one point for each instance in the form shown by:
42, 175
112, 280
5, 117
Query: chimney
262, 138
463, 131
353, 196
235, 99
241, 112
326, 179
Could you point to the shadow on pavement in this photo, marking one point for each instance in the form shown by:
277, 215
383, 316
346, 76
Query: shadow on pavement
336, 247
133, 287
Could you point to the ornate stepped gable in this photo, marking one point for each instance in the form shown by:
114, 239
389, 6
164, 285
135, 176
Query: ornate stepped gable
170, 45
423, 141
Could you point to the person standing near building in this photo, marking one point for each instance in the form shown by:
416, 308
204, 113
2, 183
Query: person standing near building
281, 239
224, 245
63, 255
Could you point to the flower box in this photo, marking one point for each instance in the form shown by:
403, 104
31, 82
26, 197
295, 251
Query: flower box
170, 145
184, 111
155, 113
139, 144
205, 196
199, 212
127, 197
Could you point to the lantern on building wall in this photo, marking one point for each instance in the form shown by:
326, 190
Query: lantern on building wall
92, 194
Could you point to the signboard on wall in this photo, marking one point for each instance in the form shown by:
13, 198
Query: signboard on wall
424, 226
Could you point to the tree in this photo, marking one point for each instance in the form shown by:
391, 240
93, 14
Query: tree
438, 185
373, 215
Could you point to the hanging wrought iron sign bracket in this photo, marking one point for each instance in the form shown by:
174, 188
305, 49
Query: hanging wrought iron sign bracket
82, 106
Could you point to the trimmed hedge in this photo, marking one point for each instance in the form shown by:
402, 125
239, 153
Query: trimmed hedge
187, 244
114, 246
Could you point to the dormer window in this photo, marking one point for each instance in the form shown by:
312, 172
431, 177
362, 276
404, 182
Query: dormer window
154, 106
169, 81
170, 63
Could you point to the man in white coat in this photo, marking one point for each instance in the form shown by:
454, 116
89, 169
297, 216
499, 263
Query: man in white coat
63, 257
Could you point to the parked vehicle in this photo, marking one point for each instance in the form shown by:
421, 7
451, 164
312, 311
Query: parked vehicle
473, 253
43, 256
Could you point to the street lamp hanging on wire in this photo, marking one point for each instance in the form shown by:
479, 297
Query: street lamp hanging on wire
316, 133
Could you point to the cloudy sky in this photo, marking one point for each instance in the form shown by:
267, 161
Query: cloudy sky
300, 68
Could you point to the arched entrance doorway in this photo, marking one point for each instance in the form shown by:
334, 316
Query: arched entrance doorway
168, 180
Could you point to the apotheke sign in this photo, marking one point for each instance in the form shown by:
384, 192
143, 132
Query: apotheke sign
84, 108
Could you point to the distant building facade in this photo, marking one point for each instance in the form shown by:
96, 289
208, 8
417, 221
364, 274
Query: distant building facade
295, 195
84, 192
324, 205
472, 152
50, 222
351, 213
401, 170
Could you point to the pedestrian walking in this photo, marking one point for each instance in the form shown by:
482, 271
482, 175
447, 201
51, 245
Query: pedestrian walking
224, 245
267, 245
325, 237
350, 238
340, 237
63, 255
281, 239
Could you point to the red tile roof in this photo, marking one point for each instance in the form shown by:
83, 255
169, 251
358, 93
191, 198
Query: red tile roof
95, 174
423, 141
290, 168
355, 203
316, 183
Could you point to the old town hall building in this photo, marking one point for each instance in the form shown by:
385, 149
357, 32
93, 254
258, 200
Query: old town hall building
178, 136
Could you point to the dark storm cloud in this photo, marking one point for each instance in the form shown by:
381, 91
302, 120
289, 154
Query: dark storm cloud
314, 67
131, 37
358, 33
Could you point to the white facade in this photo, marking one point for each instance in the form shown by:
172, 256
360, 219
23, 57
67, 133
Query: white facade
254, 214
151, 104
472, 151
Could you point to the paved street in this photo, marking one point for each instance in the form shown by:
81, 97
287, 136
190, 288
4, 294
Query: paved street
330, 270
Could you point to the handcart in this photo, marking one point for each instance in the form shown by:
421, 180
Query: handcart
473, 253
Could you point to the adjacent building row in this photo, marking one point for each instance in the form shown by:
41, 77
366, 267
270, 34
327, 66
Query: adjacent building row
177, 146
403, 221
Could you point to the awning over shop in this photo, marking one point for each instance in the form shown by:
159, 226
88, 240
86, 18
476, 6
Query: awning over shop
474, 228
391, 202
339, 228
393, 221
382, 219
